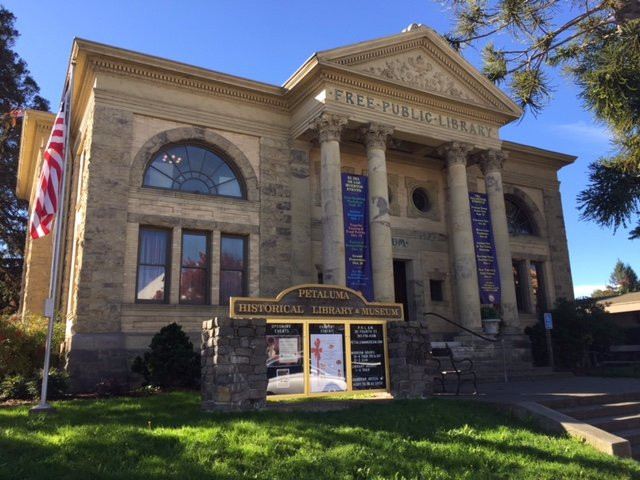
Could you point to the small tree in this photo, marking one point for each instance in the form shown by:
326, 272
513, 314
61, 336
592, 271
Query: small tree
623, 279
170, 361
603, 292
18, 91
579, 328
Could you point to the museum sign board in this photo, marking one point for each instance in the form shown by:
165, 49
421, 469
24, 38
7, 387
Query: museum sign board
322, 339
315, 301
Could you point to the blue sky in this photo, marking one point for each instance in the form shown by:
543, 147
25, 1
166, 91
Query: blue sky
269, 40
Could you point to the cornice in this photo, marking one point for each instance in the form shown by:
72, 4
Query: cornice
36, 124
326, 72
519, 153
527, 180
139, 71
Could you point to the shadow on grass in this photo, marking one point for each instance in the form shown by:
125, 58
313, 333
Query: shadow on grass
411, 439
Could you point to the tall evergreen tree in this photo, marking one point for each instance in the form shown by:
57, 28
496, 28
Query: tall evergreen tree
623, 279
17, 92
598, 43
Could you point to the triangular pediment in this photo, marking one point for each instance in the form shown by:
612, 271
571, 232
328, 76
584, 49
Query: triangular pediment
422, 60
417, 69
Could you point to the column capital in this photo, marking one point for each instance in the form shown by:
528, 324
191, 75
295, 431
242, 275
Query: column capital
491, 160
329, 126
455, 153
376, 135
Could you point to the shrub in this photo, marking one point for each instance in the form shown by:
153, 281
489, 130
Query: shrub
16, 387
57, 384
22, 344
170, 361
579, 328
20, 387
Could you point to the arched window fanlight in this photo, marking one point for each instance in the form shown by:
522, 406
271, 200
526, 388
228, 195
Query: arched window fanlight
518, 219
193, 169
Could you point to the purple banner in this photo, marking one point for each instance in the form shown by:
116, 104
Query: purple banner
356, 234
488, 273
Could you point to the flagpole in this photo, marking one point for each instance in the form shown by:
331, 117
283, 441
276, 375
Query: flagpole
50, 303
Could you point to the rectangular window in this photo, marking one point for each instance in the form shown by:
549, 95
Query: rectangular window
535, 274
153, 265
437, 292
194, 268
519, 284
233, 267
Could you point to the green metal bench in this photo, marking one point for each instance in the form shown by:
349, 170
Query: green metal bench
447, 366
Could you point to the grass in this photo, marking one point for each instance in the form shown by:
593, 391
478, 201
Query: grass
168, 437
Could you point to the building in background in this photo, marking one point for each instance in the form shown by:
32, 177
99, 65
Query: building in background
187, 186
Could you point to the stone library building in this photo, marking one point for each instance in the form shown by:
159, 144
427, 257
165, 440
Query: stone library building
379, 167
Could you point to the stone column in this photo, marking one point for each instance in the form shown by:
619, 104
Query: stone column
329, 126
491, 164
464, 258
375, 137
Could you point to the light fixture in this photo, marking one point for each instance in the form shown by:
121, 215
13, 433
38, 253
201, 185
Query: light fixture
173, 159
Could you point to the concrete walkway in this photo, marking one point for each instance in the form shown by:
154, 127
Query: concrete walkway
550, 388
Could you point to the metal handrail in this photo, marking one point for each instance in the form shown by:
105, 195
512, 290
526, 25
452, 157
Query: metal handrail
493, 340
463, 328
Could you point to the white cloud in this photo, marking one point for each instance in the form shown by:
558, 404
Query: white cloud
584, 131
586, 290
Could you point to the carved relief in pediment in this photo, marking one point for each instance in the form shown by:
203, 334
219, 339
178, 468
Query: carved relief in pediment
418, 71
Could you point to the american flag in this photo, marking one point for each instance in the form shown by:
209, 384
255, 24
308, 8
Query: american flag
51, 176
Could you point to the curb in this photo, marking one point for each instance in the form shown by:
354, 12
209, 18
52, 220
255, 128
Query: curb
559, 422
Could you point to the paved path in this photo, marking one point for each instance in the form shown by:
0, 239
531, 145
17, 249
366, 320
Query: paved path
552, 388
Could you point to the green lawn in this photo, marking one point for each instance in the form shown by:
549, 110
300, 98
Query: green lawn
167, 436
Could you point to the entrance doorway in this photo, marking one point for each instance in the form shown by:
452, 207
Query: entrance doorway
400, 285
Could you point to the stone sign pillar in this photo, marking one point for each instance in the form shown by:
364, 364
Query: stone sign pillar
491, 162
379, 219
412, 371
233, 360
464, 259
329, 127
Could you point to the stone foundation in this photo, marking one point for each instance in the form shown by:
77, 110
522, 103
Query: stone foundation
98, 359
234, 370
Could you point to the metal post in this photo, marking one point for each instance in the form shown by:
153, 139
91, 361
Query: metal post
504, 360
49, 304
549, 347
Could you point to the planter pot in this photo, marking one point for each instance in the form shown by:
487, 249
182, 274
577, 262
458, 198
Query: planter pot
491, 326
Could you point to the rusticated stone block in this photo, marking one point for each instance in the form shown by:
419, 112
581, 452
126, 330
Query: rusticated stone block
409, 344
236, 378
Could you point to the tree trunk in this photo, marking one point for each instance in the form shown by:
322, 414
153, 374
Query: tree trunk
626, 10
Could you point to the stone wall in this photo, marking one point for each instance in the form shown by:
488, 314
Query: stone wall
275, 217
234, 370
411, 373
559, 252
95, 345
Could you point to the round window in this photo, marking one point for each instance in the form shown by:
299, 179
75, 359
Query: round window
421, 200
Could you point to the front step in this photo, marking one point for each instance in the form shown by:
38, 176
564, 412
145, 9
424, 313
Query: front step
562, 403
531, 373
583, 412
633, 435
635, 452
615, 423
618, 414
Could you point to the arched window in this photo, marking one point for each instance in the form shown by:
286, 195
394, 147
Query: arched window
193, 169
518, 219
